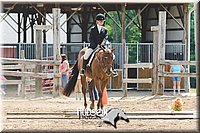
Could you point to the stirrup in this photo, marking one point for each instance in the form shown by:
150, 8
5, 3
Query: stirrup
88, 66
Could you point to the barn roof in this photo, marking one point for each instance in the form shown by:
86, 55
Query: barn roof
105, 1
15, 6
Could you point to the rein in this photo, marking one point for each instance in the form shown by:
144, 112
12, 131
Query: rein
103, 65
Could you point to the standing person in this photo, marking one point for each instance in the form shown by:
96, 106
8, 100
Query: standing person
96, 97
64, 70
95, 92
176, 79
98, 36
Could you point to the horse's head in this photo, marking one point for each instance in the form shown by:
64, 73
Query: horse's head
106, 58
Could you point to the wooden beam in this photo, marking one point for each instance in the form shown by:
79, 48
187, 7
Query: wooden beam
42, 27
29, 61
19, 27
110, 16
84, 24
11, 67
12, 82
169, 74
137, 15
71, 15
130, 115
26, 74
139, 65
127, 113
161, 113
180, 11
175, 62
25, 16
144, 80
173, 17
164, 117
138, 26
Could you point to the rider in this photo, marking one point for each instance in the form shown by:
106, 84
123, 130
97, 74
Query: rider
98, 36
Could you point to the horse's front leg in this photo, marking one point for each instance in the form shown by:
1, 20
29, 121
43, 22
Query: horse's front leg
103, 86
91, 88
98, 86
84, 86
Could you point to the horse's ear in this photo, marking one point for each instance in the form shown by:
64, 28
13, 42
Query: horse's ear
102, 48
113, 49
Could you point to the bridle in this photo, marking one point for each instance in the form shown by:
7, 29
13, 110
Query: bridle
103, 65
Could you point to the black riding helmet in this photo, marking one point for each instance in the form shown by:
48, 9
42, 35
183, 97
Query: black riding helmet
100, 17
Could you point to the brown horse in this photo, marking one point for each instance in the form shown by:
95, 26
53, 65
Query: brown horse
99, 72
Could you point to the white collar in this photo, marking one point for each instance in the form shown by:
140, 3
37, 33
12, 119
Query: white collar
99, 28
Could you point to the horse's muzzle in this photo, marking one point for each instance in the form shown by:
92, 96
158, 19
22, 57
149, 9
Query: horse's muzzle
108, 73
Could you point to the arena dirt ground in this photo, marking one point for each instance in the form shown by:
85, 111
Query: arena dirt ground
136, 101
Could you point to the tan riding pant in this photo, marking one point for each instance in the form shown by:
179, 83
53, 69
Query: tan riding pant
88, 53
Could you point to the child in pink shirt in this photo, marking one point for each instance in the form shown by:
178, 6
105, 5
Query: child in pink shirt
64, 69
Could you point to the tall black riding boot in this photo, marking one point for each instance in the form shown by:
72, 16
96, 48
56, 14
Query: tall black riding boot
83, 66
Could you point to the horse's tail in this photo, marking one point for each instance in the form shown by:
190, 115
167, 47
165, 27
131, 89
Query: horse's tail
70, 86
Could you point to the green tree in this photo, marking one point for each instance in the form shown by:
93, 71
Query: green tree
192, 46
132, 34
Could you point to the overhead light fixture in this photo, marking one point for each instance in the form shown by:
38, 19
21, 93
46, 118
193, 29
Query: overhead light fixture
75, 9
40, 5
8, 8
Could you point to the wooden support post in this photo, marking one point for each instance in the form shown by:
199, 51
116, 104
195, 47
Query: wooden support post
188, 45
187, 48
126, 69
159, 55
197, 47
123, 45
19, 27
38, 68
155, 60
25, 17
56, 46
22, 87
161, 50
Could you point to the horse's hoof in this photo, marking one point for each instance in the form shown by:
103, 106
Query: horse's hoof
91, 107
85, 106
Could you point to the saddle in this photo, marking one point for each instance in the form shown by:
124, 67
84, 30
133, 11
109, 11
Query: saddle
91, 57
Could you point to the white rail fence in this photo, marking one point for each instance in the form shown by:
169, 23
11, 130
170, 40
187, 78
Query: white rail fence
19, 67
